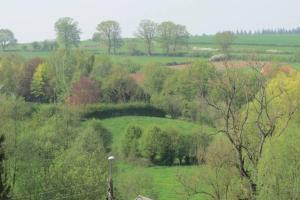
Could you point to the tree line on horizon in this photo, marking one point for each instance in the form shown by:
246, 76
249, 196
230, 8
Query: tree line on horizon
169, 35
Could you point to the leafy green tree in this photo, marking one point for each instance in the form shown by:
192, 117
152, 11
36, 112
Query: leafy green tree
155, 77
99, 135
6, 38
11, 68
150, 143
64, 67
110, 32
278, 173
130, 143
120, 87
36, 46
39, 84
24, 86
249, 118
67, 32
147, 31
103, 68
171, 36
219, 175
165, 34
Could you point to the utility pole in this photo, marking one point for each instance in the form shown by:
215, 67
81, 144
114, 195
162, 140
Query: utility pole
110, 187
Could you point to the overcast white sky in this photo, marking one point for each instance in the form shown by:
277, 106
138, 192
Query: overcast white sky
34, 19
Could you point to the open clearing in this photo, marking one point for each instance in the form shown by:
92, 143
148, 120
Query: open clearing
164, 177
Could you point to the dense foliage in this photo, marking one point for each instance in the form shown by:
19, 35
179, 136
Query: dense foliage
51, 112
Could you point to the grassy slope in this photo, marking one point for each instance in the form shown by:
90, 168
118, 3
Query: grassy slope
164, 177
118, 125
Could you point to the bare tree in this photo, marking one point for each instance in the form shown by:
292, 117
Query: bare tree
239, 98
147, 31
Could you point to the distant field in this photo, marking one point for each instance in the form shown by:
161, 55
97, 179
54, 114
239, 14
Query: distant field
264, 40
152, 59
164, 177
264, 47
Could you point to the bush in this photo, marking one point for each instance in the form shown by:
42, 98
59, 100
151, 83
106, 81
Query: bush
134, 109
130, 142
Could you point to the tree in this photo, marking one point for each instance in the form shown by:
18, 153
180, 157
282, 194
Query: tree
278, 175
110, 32
151, 143
36, 46
11, 68
6, 38
39, 84
171, 36
249, 117
67, 32
130, 142
225, 40
102, 68
120, 87
155, 77
147, 31
181, 36
219, 175
165, 32
84, 91
24, 85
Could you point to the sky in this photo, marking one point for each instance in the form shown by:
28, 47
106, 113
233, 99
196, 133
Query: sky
33, 20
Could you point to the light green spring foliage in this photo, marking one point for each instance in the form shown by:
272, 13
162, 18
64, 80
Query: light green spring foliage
38, 84
67, 32
171, 36
279, 175
278, 170
11, 67
6, 38
110, 32
50, 154
130, 142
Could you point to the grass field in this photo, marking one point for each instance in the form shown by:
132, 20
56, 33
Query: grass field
118, 125
164, 178
268, 45
255, 40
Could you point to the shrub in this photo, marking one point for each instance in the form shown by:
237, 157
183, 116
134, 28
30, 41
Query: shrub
133, 109
84, 92
130, 142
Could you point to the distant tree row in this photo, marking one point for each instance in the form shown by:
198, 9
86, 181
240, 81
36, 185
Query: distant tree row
280, 31
171, 36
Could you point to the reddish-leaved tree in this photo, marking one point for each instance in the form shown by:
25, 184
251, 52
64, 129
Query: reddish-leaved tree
84, 91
